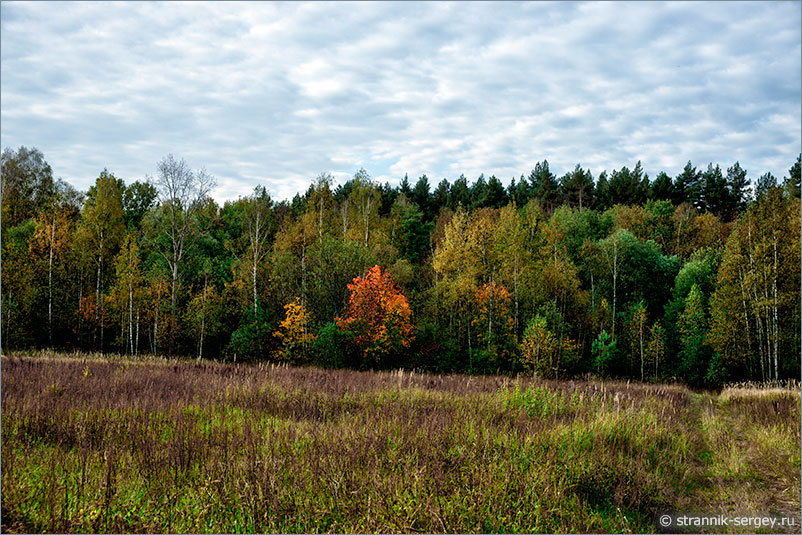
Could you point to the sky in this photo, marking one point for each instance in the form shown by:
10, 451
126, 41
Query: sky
274, 94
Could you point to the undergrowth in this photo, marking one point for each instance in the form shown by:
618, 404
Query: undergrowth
91, 445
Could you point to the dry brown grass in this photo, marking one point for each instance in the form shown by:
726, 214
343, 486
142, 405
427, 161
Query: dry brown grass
92, 444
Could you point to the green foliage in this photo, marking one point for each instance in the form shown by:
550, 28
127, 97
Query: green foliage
415, 236
27, 185
460, 193
137, 199
334, 347
663, 188
540, 401
694, 352
660, 214
435, 349
716, 374
420, 196
766, 182
252, 338
496, 196
20, 234
629, 187
603, 198
579, 227
739, 194
701, 270
715, 192
545, 187
483, 268
792, 181
688, 186
546, 347
577, 188
648, 274
333, 264
604, 353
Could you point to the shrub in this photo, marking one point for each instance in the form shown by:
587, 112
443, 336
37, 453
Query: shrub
603, 350
250, 341
334, 348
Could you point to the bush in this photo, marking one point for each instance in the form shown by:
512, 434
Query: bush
716, 372
251, 340
603, 353
334, 348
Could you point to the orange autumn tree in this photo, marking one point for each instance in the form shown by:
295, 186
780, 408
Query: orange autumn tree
378, 317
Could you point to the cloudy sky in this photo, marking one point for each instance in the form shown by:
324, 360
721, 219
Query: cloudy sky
275, 94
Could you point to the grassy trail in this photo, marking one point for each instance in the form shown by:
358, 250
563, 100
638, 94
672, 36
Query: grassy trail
752, 453
746, 461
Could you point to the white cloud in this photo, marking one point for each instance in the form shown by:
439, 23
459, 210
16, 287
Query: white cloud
275, 93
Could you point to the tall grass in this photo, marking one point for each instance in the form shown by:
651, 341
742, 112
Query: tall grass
94, 445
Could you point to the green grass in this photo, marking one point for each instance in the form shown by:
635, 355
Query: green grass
90, 445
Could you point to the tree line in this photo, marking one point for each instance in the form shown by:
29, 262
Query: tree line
695, 277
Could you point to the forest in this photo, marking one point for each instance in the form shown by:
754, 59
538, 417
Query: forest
694, 277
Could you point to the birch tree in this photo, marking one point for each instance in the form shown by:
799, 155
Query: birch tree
366, 198
51, 240
637, 329
181, 192
100, 233
755, 307
321, 202
613, 250
128, 290
204, 311
259, 227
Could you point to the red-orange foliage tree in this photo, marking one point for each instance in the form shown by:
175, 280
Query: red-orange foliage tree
378, 316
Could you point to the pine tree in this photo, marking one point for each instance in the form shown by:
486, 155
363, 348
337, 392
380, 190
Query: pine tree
479, 192
628, 187
687, 186
766, 182
460, 193
420, 196
738, 186
441, 197
715, 197
792, 181
545, 187
577, 188
496, 194
603, 200
663, 188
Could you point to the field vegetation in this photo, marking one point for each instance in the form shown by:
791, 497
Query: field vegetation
92, 444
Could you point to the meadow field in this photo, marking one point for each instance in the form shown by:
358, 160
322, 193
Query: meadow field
93, 444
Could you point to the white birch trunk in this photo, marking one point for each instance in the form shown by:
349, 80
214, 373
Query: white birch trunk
136, 344
131, 315
50, 284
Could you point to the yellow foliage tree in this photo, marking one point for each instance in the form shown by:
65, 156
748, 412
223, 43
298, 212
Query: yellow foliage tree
294, 332
493, 322
540, 348
51, 240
